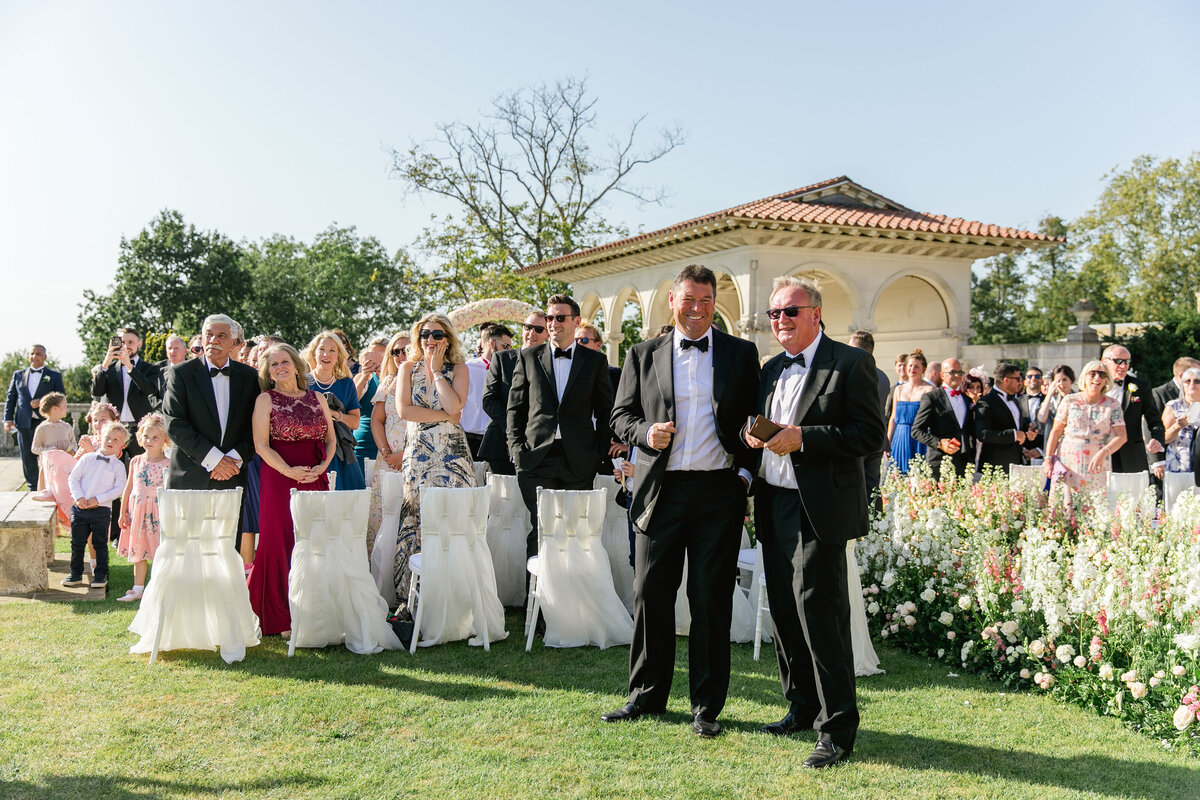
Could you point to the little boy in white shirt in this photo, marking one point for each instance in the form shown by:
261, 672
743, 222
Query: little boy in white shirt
97, 479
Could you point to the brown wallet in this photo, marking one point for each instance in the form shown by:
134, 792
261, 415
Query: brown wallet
762, 428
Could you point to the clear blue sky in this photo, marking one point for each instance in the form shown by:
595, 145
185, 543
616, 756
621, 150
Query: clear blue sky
270, 117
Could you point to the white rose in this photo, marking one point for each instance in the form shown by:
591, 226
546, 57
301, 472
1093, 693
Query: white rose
1037, 648
1155, 681
1183, 717
950, 635
1129, 677
1009, 628
1025, 674
909, 606
1080, 662
1138, 690
941, 652
910, 620
1187, 641
883, 634
1106, 672
946, 618
1179, 670
928, 595
1018, 606
964, 601
873, 607
1064, 653
887, 580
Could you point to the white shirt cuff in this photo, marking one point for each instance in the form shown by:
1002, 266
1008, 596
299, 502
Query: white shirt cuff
212, 459
234, 455
745, 473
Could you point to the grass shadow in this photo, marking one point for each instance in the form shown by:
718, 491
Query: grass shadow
119, 787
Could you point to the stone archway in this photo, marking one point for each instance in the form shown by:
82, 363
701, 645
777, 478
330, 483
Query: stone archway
911, 303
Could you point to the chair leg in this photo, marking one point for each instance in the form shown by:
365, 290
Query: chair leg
414, 596
536, 608
758, 617
292, 639
529, 601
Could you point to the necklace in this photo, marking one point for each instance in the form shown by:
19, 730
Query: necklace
322, 386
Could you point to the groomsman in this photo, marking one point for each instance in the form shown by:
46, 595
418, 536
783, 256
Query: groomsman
21, 414
493, 448
558, 410
1002, 424
209, 403
494, 338
682, 399
811, 500
944, 423
1134, 395
129, 383
864, 340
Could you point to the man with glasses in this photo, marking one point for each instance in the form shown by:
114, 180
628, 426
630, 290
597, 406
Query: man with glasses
559, 405
1002, 423
1136, 401
1034, 397
494, 446
493, 338
945, 423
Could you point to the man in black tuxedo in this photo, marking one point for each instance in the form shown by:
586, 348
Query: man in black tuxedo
1134, 395
558, 409
810, 500
683, 399
129, 383
494, 447
21, 415
588, 335
177, 353
1002, 425
864, 340
208, 405
945, 425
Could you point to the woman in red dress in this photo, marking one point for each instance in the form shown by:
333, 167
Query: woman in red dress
293, 434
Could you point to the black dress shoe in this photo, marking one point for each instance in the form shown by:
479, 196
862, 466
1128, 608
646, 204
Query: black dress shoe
825, 754
626, 713
708, 729
788, 725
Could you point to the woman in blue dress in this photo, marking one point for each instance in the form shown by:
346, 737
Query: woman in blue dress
906, 399
329, 375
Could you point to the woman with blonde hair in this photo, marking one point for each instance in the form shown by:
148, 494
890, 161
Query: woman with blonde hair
329, 375
387, 429
1089, 427
430, 393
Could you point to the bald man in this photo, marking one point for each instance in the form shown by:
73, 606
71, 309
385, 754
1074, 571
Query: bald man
944, 422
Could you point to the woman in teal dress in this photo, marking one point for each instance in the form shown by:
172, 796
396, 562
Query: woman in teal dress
906, 399
329, 375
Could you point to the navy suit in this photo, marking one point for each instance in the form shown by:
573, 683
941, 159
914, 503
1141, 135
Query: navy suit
21, 407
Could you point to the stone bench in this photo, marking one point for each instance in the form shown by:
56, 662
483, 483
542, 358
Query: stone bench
27, 531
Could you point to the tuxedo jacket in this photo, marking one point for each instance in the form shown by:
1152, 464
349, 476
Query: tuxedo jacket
646, 395
190, 407
535, 412
935, 421
841, 424
493, 448
1137, 402
1160, 396
144, 389
995, 430
20, 406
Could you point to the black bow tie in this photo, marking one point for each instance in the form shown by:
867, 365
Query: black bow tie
796, 359
1012, 398
561, 353
215, 371
105, 459
1119, 381
39, 369
699, 344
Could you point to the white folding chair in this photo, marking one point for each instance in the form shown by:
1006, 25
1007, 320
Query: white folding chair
331, 595
1021, 477
1175, 484
759, 588
197, 597
1133, 484
616, 542
570, 577
332, 479
482, 469
453, 584
507, 529
368, 470
383, 552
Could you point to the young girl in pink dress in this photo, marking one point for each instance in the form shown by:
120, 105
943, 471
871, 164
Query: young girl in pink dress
140, 526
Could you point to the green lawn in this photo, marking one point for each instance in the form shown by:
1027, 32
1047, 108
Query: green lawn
84, 719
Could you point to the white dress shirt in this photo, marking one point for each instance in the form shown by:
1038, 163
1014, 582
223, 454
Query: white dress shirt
1013, 409
778, 470
220, 384
33, 378
473, 419
126, 414
562, 371
695, 445
98, 476
959, 404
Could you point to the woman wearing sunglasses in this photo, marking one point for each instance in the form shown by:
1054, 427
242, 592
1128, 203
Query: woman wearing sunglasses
430, 393
1088, 428
1180, 419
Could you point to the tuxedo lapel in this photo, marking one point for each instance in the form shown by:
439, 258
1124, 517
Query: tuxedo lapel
204, 384
818, 376
722, 363
24, 387
770, 380
662, 356
573, 373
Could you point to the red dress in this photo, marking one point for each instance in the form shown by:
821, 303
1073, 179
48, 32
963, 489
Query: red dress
297, 434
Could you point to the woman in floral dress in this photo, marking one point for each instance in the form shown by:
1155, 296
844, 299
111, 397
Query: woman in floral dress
1088, 428
430, 393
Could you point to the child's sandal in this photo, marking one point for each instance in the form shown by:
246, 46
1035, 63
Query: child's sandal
130, 597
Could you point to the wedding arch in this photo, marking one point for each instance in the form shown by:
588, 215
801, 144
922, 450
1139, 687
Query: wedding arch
493, 308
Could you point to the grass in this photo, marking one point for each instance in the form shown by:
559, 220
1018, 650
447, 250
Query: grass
83, 718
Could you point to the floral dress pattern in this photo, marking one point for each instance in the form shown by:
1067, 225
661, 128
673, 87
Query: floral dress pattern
1179, 452
139, 541
435, 454
1089, 427
396, 432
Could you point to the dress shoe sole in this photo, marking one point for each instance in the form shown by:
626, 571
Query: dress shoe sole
706, 733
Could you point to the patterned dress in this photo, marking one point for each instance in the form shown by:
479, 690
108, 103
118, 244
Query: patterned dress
1179, 452
1089, 427
139, 541
396, 432
435, 454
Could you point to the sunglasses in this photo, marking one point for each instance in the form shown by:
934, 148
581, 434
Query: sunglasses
197, 349
1192, 380
535, 328
503, 346
957, 372
791, 311
558, 317
1120, 362
583, 339
397, 351
437, 336
1033, 377
1097, 373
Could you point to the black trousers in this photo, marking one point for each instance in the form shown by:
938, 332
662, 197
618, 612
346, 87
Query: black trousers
810, 615
90, 523
553, 473
698, 514
473, 442
29, 462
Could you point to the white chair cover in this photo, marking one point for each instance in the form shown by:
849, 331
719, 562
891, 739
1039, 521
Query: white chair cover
456, 594
616, 542
1021, 476
197, 597
482, 468
1175, 484
507, 527
574, 584
865, 660
368, 470
331, 595
383, 552
1130, 483
741, 628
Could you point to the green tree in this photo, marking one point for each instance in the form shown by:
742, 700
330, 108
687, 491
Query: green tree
1156, 347
998, 294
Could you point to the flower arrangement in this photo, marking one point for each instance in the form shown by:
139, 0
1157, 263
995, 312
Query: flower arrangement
1094, 605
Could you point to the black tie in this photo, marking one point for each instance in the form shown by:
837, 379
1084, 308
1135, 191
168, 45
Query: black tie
796, 359
105, 459
561, 353
35, 371
1012, 398
215, 371
699, 344
1119, 381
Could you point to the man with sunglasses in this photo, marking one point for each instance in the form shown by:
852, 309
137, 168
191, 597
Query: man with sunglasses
558, 409
944, 423
1134, 395
493, 338
1002, 422
682, 400
493, 448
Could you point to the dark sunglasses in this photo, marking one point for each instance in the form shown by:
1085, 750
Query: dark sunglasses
957, 372
437, 336
583, 339
1096, 372
197, 349
1120, 362
559, 317
397, 351
503, 346
535, 328
791, 311
1033, 377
